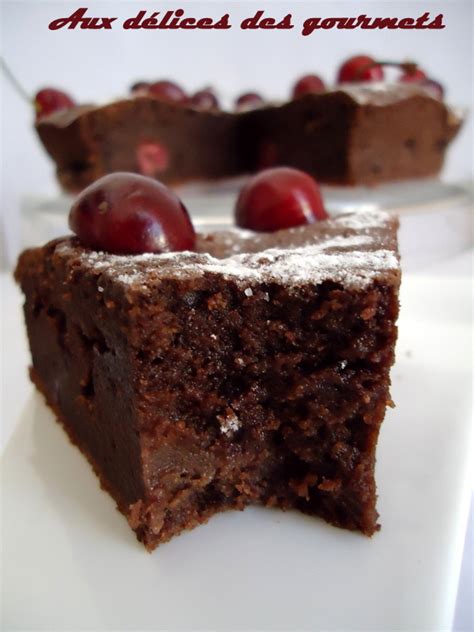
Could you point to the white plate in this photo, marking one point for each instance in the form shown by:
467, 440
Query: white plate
70, 560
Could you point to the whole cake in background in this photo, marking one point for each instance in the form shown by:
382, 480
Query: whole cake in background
205, 372
363, 131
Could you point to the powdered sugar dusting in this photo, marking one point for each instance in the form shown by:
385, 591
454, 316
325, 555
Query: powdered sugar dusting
381, 93
353, 254
229, 423
305, 265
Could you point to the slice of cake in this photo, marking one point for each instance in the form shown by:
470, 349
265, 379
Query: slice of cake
353, 134
253, 370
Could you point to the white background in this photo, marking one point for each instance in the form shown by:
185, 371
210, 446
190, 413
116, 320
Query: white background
95, 66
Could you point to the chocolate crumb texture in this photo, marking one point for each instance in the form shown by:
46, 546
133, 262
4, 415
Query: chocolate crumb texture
254, 370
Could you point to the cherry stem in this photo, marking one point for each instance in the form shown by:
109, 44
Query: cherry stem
14, 82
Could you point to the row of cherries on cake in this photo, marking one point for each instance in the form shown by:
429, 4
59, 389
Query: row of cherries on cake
127, 213
360, 68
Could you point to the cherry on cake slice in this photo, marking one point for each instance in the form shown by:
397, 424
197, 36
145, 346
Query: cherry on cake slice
249, 368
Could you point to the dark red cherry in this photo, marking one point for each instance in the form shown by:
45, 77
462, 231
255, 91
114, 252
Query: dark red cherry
413, 76
49, 100
152, 158
279, 198
309, 84
434, 87
167, 91
125, 213
360, 68
248, 101
205, 100
140, 87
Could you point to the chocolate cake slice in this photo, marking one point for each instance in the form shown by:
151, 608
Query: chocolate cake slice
255, 370
355, 134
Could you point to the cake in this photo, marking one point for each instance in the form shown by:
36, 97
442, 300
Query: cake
355, 134
254, 370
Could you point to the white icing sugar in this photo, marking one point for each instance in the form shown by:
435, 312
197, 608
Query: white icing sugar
366, 92
353, 260
368, 219
305, 265
229, 424
383, 92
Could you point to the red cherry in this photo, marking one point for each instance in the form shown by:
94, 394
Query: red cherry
205, 100
360, 68
279, 198
307, 85
248, 101
167, 91
434, 87
152, 158
125, 213
140, 87
415, 76
49, 100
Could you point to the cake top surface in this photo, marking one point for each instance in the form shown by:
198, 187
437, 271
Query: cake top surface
353, 250
376, 93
